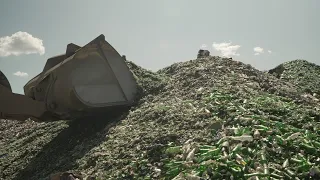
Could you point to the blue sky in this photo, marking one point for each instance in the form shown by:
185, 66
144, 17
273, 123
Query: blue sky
155, 34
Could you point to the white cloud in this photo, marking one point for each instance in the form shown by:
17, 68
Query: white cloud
258, 50
204, 47
21, 74
20, 43
226, 49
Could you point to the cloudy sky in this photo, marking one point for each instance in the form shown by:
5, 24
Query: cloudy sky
155, 34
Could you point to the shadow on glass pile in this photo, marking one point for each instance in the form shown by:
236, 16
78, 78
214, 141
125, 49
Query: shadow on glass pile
60, 154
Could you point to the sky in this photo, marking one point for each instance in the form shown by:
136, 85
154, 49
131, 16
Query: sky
155, 34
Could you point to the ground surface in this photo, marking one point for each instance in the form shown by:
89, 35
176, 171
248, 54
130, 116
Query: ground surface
211, 117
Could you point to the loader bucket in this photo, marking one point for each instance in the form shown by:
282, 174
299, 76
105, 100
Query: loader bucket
91, 77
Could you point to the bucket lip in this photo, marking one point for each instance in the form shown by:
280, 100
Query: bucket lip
95, 105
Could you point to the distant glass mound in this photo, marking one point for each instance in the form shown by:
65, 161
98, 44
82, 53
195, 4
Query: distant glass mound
300, 72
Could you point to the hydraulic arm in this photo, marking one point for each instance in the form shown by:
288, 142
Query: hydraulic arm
16, 106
